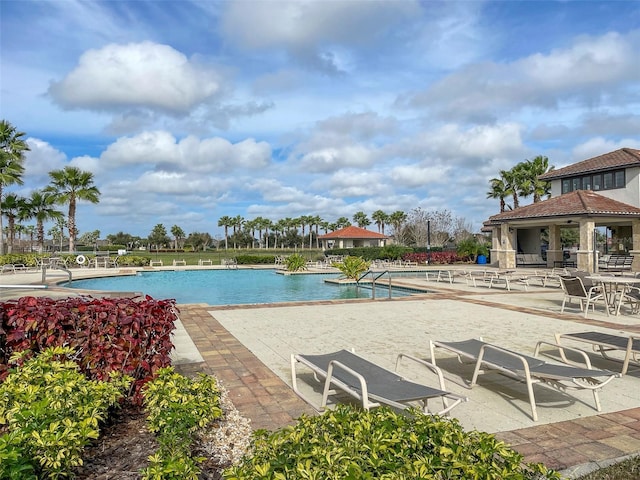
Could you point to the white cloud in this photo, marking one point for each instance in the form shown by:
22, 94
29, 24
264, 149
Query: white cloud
209, 155
330, 159
416, 176
147, 75
42, 158
311, 31
588, 70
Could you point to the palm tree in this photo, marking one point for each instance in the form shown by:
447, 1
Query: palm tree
12, 149
315, 221
279, 227
237, 222
531, 185
512, 184
268, 225
40, 205
397, 218
70, 185
360, 218
380, 218
31, 231
226, 221
250, 227
342, 222
11, 208
178, 234
498, 190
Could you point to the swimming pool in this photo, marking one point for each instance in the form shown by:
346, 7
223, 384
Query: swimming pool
232, 287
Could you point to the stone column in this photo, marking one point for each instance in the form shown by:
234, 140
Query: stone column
554, 252
635, 235
507, 240
585, 249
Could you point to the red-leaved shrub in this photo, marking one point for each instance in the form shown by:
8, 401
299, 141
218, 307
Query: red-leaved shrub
127, 335
436, 257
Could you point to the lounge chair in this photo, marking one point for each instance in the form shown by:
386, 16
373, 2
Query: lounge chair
605, 342
575, 289
371, 384
528, 369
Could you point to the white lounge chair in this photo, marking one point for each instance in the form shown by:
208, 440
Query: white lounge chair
528, 369
371, 384
605, 342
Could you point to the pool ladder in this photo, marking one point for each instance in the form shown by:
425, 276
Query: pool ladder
57, 267
374, 276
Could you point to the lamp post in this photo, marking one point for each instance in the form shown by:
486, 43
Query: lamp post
429, 242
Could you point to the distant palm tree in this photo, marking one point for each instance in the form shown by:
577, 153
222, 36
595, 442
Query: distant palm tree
225, 221
498, 190
397, 219
41, 206
380, 218
11, 208
12, 149
361, 219
238, 221
178, 234
531, 184
70, 185
512, 184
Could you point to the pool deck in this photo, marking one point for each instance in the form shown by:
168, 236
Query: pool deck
247, 349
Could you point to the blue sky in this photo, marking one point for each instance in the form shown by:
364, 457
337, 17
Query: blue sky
186, 111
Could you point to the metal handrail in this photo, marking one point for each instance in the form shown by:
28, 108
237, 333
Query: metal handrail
373, 281
57, 267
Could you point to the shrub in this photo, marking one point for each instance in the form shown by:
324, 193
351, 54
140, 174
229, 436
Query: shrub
177, 408
471, 248
349, 443
52, 412
437, 257
123, 335
352, 267
295, 263
255, 259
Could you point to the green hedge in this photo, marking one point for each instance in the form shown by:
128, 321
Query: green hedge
255, 259
350, 443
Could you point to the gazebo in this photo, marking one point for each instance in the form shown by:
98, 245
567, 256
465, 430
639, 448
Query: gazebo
519, 230
351, 237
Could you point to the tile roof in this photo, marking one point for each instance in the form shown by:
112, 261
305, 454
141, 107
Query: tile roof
625, 157
352, 232
578, 202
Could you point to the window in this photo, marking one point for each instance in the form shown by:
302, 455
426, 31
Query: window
595, 182
608, 180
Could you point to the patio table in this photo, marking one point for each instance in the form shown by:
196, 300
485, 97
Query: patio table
612, 285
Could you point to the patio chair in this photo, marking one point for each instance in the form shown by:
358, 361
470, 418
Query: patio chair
528, 369
574, 289
371, 384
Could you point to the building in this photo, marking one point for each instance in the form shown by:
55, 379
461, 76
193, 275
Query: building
602, 191
351, 237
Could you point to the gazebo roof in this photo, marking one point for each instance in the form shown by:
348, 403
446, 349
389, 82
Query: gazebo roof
624, 157
353, 233
576, 203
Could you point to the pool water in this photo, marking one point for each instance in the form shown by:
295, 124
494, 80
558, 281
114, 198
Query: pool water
232, 287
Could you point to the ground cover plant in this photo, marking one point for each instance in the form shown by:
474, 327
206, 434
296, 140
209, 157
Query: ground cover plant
351, 443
